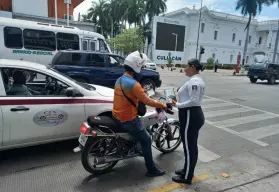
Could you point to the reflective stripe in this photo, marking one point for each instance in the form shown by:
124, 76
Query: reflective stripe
186, 144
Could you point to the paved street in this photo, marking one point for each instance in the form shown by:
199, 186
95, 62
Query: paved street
240, 139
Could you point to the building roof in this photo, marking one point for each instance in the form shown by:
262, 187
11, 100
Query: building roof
216, 14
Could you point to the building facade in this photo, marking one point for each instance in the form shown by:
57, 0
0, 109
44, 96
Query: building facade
41, 8
43, 11
223, 37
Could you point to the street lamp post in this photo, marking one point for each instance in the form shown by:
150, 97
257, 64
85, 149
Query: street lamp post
198, 38
175, 40
55, 5
68, 2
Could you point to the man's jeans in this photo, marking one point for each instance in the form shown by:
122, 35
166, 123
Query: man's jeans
137, 130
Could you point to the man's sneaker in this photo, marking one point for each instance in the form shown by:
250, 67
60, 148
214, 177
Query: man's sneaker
155, 173
180, 179
179, 172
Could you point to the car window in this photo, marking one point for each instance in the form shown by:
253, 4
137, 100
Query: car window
113, 60
95, 60
62, 59
28, 83
76, 59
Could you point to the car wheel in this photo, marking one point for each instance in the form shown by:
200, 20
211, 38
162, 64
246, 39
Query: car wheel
148, 84
253, 80
271, 80
80, 79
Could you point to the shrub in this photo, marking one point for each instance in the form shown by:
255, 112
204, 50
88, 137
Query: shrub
178, 65
210, 61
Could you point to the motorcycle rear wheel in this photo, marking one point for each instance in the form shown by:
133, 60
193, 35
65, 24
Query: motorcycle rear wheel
92, 144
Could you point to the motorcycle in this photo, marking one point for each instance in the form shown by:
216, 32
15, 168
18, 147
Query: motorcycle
103, 140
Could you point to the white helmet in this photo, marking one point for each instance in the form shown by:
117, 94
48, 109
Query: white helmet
136, 60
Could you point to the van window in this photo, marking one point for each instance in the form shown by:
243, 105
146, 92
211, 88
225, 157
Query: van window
13, 37
92, 45
39, 40
102, 46
67, 41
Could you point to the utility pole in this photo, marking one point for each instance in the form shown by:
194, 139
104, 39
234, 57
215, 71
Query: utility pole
68, 2
199, 31
55, 7
276, 45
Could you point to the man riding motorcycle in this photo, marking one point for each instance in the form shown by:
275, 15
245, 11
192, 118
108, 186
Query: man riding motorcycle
127, 114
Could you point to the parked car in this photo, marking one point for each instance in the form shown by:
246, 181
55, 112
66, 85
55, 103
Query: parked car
263, 71
99, 68
48, 108
150, 65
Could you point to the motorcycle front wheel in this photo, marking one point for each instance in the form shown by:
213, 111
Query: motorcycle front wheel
164, 144
97, 148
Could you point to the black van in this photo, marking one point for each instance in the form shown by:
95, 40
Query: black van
264, 71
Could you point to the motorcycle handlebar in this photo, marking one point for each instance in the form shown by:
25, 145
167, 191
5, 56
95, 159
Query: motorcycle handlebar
167, 110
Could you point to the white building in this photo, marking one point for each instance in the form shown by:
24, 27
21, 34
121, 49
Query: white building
222, 35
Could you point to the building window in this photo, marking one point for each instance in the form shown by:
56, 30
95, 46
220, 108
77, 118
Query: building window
13, 37
67, 41
213, 55
233, 37
231, 58
202, 27
239, 42
247, 59
260, 40
250, 39
215, 35
39, 40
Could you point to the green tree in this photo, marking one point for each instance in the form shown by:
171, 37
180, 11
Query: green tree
210, 60
97, 14
128, 41
251, 8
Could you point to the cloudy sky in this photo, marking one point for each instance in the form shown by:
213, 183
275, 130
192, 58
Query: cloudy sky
217, 5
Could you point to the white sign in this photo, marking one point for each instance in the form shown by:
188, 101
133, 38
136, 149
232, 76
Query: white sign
163, 56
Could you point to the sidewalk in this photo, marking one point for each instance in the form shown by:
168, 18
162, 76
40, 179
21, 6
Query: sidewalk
251, 171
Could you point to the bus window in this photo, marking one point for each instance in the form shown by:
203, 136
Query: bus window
13, 37
92, 45
39, 40
67, 41
85, 45
102, 46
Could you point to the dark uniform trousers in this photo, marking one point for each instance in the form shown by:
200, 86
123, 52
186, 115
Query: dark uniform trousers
191, 120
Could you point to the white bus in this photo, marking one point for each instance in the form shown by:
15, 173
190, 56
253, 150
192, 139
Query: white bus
39, 42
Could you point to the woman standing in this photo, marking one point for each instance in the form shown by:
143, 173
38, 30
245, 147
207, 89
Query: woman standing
191, 118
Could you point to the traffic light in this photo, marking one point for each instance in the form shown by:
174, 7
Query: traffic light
202, 50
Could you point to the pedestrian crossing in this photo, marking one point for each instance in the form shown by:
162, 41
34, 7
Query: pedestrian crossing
239, 120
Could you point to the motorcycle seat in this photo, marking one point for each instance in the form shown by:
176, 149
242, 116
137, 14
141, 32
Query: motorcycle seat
105, 123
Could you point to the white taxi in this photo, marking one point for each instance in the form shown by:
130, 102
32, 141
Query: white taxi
50, 107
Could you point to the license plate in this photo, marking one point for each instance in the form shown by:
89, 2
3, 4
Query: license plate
82, 139
255, 76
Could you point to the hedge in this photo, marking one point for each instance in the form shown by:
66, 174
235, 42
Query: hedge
207, 66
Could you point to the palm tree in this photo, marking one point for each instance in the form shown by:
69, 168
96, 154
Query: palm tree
250, 8
135, 11
97, 14
155, 7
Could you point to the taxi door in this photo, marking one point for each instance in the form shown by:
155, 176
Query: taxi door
42, 118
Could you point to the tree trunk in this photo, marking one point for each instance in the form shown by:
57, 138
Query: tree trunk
111, 28
246, 41
276, 45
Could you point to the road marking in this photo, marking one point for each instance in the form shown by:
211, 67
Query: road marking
245, 106
173, 186
263, 144
225, 112
206, 156
262, 132
243, 120
216, 105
